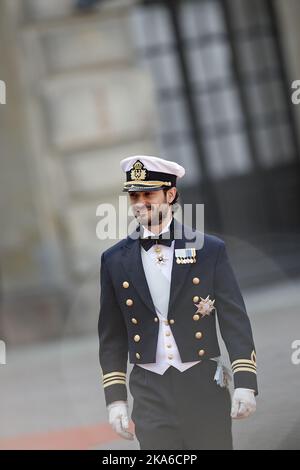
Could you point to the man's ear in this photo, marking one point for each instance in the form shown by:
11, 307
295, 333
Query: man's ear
171, 194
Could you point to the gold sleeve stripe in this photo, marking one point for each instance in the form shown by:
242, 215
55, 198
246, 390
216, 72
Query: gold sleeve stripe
243, 361
117, 377
113, 373
113, 382
250, 364
114, 378
247, 367
244, 369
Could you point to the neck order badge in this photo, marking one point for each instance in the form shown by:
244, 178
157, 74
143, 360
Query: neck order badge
160, 258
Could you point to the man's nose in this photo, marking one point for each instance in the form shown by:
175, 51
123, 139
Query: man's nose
140, 204
140, 199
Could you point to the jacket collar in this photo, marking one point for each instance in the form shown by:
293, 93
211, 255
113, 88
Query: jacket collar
132, 262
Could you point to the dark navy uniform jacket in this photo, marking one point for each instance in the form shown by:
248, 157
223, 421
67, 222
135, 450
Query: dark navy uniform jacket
128, 322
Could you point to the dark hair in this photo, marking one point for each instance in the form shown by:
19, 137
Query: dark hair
175, 198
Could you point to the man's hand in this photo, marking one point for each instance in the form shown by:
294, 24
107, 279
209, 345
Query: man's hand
118, 419
243, 403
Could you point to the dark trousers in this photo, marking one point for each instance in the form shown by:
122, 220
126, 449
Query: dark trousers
180, 410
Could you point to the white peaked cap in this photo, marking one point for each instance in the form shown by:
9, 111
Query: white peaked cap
153, 173
153, 164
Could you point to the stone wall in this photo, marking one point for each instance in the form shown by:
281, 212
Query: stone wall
77, 103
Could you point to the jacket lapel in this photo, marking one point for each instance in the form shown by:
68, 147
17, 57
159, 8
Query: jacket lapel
132, 262
133, 265
179, 271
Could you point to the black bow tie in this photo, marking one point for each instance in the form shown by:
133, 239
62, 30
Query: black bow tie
148, 242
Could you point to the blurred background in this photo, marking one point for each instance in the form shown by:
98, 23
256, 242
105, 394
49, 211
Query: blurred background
206, 83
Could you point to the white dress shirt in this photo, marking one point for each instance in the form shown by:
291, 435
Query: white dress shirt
167, 353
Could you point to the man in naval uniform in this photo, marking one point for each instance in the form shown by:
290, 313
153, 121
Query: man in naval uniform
159, 302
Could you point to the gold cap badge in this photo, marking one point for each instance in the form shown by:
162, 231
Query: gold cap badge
138, 171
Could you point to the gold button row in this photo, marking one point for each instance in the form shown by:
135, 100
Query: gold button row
201, 353
135, 322
167, 322
196, 281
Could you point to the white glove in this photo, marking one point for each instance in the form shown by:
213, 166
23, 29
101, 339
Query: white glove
118, 418
243, 403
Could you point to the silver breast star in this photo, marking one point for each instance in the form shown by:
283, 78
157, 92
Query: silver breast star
161, 259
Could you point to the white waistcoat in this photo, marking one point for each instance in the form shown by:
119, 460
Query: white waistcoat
159, 281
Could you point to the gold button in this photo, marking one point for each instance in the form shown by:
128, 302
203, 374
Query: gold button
168, 333
196, 317
169, 345
196, 299
166, 322
198, 335
170, 356
201, 352
172, 322
136, 338
156, 319
137, 356
134, 320
129, 302
196, 281
125, 284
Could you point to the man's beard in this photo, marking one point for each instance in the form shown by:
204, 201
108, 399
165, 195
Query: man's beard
157, 220
155, 217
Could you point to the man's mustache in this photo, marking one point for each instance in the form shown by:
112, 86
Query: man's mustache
141, 208
150, 206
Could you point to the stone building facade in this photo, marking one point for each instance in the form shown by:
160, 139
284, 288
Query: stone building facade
78, 100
